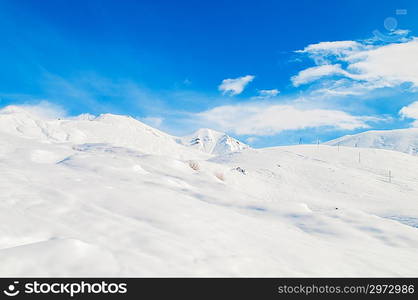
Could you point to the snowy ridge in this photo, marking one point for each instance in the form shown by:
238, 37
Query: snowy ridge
110, 196
402, 140
107, 128
213, 142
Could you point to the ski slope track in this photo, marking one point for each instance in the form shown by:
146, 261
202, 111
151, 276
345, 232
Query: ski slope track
110, 196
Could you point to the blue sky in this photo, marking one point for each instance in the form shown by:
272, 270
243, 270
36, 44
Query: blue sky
267, 72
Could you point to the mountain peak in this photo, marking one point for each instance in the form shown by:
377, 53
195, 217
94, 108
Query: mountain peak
213, 142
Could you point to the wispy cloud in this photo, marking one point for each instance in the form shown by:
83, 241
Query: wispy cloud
315, 73
266, 94
89, 91
335, 47
47, 109
235, 86
42, 109
323, 51
270, 119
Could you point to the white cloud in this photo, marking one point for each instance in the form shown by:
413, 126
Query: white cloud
235, 86
326, 52
411, 112
334, 48
345, 87
256, 119
314, 73
392, 64
268, 93
366, 66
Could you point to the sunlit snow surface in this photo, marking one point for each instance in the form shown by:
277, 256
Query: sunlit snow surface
113, 197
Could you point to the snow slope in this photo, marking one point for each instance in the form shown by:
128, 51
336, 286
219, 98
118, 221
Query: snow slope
403, 140
85, 200
213, 142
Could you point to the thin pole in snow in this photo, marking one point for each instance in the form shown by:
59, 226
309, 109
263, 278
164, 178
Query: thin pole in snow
390, 176
338, 146
359, 157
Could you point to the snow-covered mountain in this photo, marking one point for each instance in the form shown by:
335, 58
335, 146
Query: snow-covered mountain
109, 196
117, 130
111, 129
403, 140
213, 142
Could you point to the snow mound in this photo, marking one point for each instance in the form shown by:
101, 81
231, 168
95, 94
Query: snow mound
402, 140
213, 142
50, 258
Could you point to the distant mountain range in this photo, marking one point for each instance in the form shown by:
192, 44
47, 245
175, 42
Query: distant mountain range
402, 140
